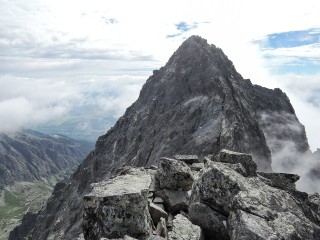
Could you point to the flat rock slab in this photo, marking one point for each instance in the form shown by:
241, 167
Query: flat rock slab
173, 174
118, 207
283, 181
227, 156
183, 229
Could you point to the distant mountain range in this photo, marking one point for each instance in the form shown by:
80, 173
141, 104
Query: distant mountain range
29, 155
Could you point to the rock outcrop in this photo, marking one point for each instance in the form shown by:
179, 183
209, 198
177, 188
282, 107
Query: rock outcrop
197, 104
118, 207
224, 205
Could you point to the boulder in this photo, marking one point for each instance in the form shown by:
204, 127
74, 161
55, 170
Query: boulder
283, 181
118, 207
244, 225
173, 174
315, 198
126, 237
267, 202
156, 237
227, 156
183, 229
238, 168
174, 201
211, 222
314, 201
197, 166
188, 159
156, 213
217, 187
162, 228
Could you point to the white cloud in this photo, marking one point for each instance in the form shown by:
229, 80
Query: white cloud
53, 53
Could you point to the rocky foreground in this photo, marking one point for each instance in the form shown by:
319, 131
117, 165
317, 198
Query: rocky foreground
218, 197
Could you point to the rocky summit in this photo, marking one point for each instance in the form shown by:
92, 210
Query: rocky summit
221, 203
194, 106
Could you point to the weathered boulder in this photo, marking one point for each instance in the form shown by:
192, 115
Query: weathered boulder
183, 229
217, 187
211, 222
283, 181
174, 201
238, 167
174, 174
162, 230
314, 200
227, 156
197, 166
188, 159
268, 202
256, 208
118, 207
244, 225
126, 237
156, 213
156, 237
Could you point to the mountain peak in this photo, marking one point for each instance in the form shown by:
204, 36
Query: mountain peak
195, 39
196, 53
197, 104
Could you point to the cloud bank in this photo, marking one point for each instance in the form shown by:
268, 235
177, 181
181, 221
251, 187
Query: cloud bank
59, 57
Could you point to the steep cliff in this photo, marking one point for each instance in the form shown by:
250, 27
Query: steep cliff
196, 104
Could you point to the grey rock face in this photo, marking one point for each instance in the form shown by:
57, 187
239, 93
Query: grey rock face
118, 207
174, 201
162, 228
217, 187
197, 166
248, 226
184, 229
197, 104
254, 209
174, 174
227, 156
31, 156
211, 222
157, 212
283, 181
225, 205
244, 225
156, 237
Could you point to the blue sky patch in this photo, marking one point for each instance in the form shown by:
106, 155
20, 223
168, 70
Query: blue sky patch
183, 27
292, 51
290, 39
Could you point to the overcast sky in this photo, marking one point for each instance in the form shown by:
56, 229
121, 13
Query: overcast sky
59, 55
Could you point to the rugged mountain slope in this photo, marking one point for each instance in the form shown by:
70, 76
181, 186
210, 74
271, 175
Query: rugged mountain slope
196, 104
30, 156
